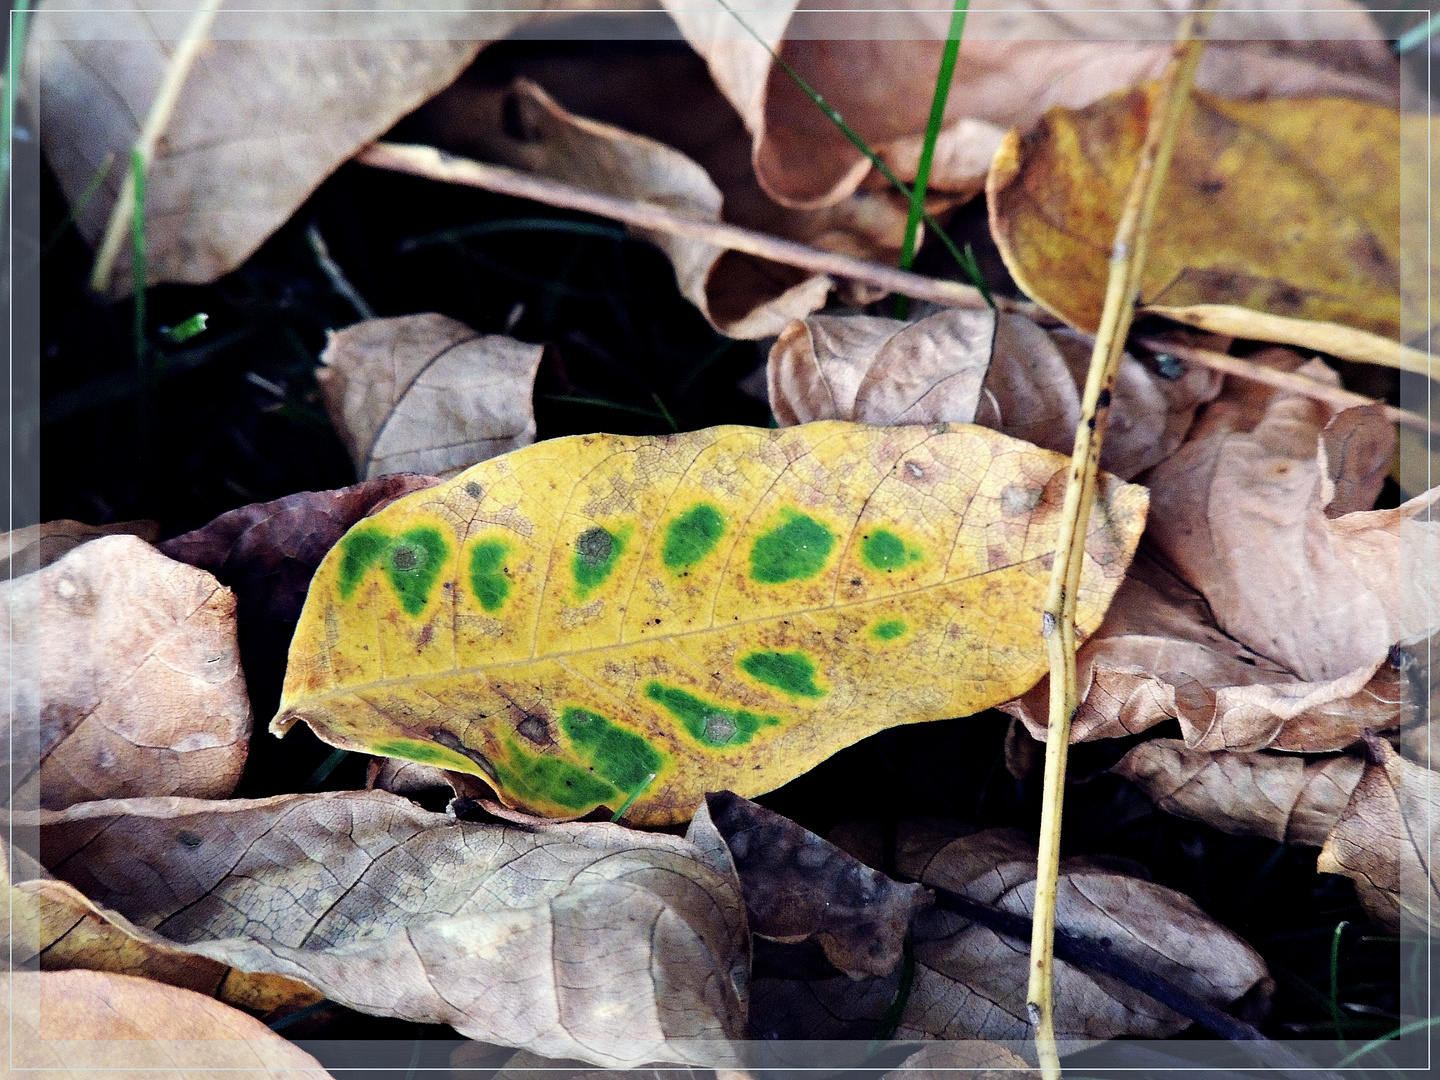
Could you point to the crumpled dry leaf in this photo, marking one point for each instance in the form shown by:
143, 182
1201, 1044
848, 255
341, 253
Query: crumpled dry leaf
1285, 207
53, 923
1280, 796
275, 103
1159, 654
1014, 64
970, 981
1003, 373
36, 546
572, 940
426, 394
742, 296
89, 1024
1239, 511
125, 679
798, 886
1384, 842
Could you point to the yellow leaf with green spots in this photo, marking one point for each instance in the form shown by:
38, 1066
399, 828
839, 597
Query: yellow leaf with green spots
603, 617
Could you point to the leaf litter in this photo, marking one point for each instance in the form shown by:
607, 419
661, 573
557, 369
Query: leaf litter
1294, 646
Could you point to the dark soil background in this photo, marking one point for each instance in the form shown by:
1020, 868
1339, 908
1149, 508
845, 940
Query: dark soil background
236, 419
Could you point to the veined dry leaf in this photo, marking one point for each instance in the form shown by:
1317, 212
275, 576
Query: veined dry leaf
1014, 64
125, 678
53, 923
1279, 796
742, 296
798, 886
275, 102
1159, 654
975, 1060
1004, 373
583, 940
89, 1024
970, 981
426, 394
1240, 514
1289, 207
1385, 842
29, 549
604, 618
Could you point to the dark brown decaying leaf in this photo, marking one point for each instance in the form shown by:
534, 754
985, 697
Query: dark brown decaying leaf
1384, 841
53, 924
1239, 511
968, 366
1014, 64
275, 102
29, 549
1279, 796
798, 886
572, 940
125, 678
267, 553
74, 1024
1159, 654
426, 394
970, 981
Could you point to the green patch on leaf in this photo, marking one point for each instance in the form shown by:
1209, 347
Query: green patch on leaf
413, 563
597, 550
426, 753
711, 724
882, 550
360, 550
888, 630
794, 551
621, 757
542, 778
792, 672
692, 536
487, 573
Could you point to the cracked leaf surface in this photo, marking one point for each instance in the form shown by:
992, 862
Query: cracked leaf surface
723, 608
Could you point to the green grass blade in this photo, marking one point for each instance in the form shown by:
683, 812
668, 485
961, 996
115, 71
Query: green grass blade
106, 164
1335, 1017
859, 143
19, 20
1419, 35
927, 149
144, 358
1376, 1044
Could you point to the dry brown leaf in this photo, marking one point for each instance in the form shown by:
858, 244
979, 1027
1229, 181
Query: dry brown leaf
1239, 511
29, 549
275, 102
426, 394
1291, 799
1159, 654
970, 982
1384, 841
1014, 64
572, 940
975, 1060
102, 1026
742, 296
125, 677
54, 924
1286, 208
798, 886
961, 366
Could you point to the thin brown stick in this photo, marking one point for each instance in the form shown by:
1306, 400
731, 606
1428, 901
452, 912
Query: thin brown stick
435, 164
161, 109
1284, 380
1127, 259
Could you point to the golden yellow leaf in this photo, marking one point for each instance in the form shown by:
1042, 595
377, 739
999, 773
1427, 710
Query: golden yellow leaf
1285, 207
721, 609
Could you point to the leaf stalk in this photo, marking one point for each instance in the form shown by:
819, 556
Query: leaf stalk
1127, 261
